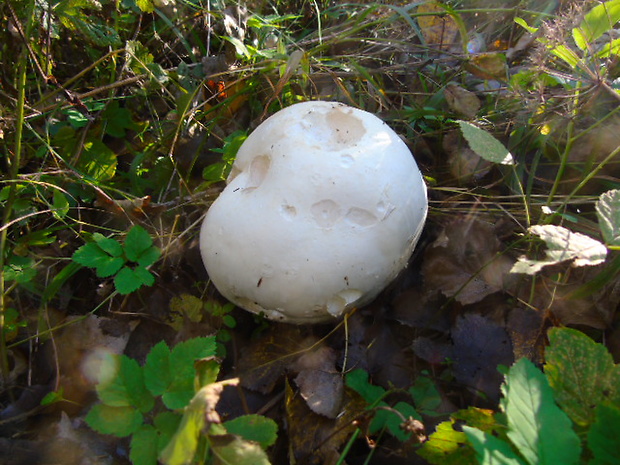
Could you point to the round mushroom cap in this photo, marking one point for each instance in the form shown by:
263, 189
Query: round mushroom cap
323, 208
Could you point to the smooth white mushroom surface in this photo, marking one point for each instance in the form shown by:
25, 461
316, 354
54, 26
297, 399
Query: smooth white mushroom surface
323, 208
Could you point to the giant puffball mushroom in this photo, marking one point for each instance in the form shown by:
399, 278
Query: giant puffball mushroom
323, 208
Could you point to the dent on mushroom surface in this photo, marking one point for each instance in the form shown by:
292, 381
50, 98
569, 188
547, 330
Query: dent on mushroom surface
323, 207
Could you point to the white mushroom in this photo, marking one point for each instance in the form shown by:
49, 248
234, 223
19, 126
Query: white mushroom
323, 208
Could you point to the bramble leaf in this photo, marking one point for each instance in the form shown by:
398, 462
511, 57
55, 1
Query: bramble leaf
582, 374
540, 431
93, 256
491, 450
255, 428
143, 446
128, 280
138, 240
117, 421
157, 370
126, 387
603, 436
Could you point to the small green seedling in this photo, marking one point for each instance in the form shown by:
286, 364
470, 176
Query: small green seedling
168, 405
128, 263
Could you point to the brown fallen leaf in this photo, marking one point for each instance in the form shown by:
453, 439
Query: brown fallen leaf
461, 100
465, 165
440, 30
320, 384
465, 261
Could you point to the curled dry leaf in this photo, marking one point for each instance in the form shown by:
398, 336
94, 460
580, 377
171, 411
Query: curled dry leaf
465, 261
562, 245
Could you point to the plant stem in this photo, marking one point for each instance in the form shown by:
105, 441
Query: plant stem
14, 163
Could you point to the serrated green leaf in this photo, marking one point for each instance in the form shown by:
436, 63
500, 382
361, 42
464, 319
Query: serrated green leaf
608, 213
126, 387
126, 281
540, 431
447, 447
358, 381
117, 421
108, 245
255, 428
425, 395
137, 241
228, 450
167, 424
491, 450
485, 145
143, 446
562, 245
93, 256
603, 437
599, 20
582, 374
176, 369
149, 256
157, 369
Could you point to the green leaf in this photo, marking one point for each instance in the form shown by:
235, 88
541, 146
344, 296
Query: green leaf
137, 241
172, 373
117, 421
562, 245
604, 435
582, 374
19, 269
157, 369
146, 5
540, 431
117, 119
109, 245
143, 446
167, 424
182, 447
97, 161
60, 204
129, 280
491, 450
425, 395
485, 145
358, 381
447, 447
126, 387
228, 450
255, 428
599, 20
93, 256
608, 213
394, 421
149, 256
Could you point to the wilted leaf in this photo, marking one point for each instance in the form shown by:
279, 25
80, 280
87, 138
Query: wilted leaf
461, 100
539, 429
582, 374
480, 345
488, 65
196, 416
438, 30
320, 384
446, 446
464, 262
264, 361
562, 245
485, 145
608, 213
